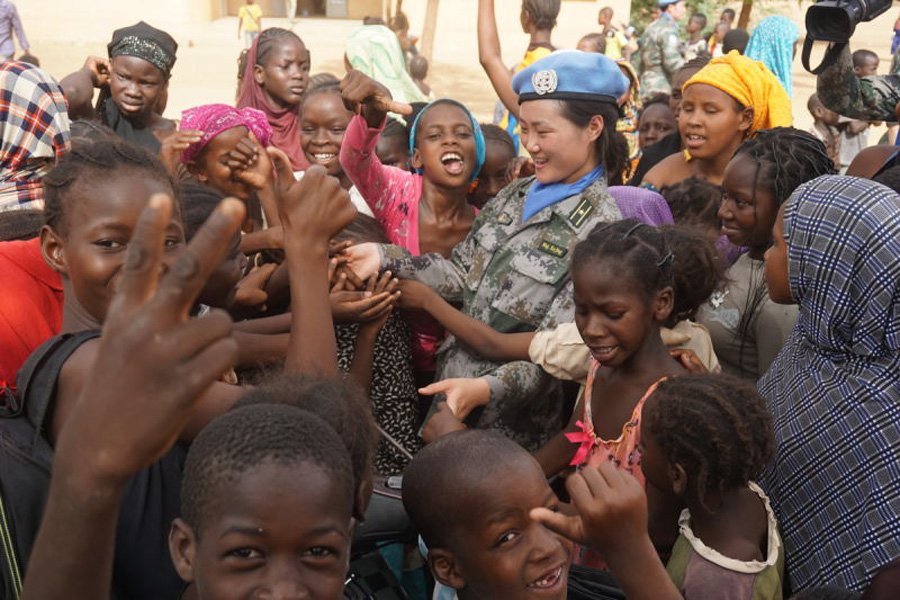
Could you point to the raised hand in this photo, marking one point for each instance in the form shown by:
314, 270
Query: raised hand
463, 394
98, 67
153, 362
358, 89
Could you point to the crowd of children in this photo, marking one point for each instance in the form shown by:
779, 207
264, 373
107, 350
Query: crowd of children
625, 341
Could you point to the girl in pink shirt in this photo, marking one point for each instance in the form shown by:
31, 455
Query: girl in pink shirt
425, 211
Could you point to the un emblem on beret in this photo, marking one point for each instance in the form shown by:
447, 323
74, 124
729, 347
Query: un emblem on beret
545, 82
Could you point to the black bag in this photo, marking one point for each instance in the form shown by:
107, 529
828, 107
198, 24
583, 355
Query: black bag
26, 455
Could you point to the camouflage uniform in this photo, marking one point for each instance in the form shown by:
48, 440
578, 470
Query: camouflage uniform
514, 277
660, 56
867, 98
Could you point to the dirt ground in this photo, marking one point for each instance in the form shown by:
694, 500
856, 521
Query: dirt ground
207, 58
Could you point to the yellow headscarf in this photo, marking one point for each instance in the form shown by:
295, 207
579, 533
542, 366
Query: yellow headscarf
749, 82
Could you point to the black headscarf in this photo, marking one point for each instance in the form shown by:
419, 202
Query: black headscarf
147, 42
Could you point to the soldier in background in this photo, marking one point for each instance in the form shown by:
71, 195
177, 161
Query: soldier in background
660, 55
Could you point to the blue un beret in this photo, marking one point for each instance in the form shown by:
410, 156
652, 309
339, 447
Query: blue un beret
571, 75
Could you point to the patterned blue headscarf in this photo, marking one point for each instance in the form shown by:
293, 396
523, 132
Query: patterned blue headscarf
476, 128
834, 390
772, 43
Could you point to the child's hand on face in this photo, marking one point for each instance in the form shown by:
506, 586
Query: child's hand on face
99, 70
174, 145
612, 510
313, 210
154, 362
414, 295
250, 290
358, 88
463, 394
250, 163
441, 423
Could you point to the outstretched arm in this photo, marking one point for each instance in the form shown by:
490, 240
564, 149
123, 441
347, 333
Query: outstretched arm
491, 59
153, 365
484, 339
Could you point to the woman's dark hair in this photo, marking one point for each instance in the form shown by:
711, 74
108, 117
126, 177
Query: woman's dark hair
543, 12
611, 146
697, 269
889, 178
716, 427
20, 224
694, 201
629, 244
89, 161
785, 158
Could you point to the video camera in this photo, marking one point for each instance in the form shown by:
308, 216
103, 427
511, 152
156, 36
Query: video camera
835, 21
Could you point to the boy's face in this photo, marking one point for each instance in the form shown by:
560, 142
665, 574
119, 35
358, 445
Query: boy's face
694, 25
868, 69
499, 552
281, 531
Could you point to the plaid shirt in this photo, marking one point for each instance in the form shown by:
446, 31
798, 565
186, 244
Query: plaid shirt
834, 390
34, 133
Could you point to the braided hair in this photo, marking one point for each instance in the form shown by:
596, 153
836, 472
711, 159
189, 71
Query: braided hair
715, 426
697, 269
91, 160
636, 246
785, 158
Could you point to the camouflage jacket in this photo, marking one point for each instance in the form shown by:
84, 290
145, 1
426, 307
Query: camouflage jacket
867, 98
660, 56
513, 276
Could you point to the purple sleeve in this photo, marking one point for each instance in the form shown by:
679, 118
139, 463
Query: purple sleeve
17, 25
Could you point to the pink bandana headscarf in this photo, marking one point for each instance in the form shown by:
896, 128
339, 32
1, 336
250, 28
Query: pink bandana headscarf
213, 119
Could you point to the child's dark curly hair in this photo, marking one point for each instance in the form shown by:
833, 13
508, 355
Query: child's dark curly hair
694, 201
716, 427
90, 160
631, 245
697, 269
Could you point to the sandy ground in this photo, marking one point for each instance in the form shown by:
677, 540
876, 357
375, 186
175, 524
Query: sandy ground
207, 59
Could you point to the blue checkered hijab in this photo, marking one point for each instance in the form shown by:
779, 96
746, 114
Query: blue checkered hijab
834, 390
476, 128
